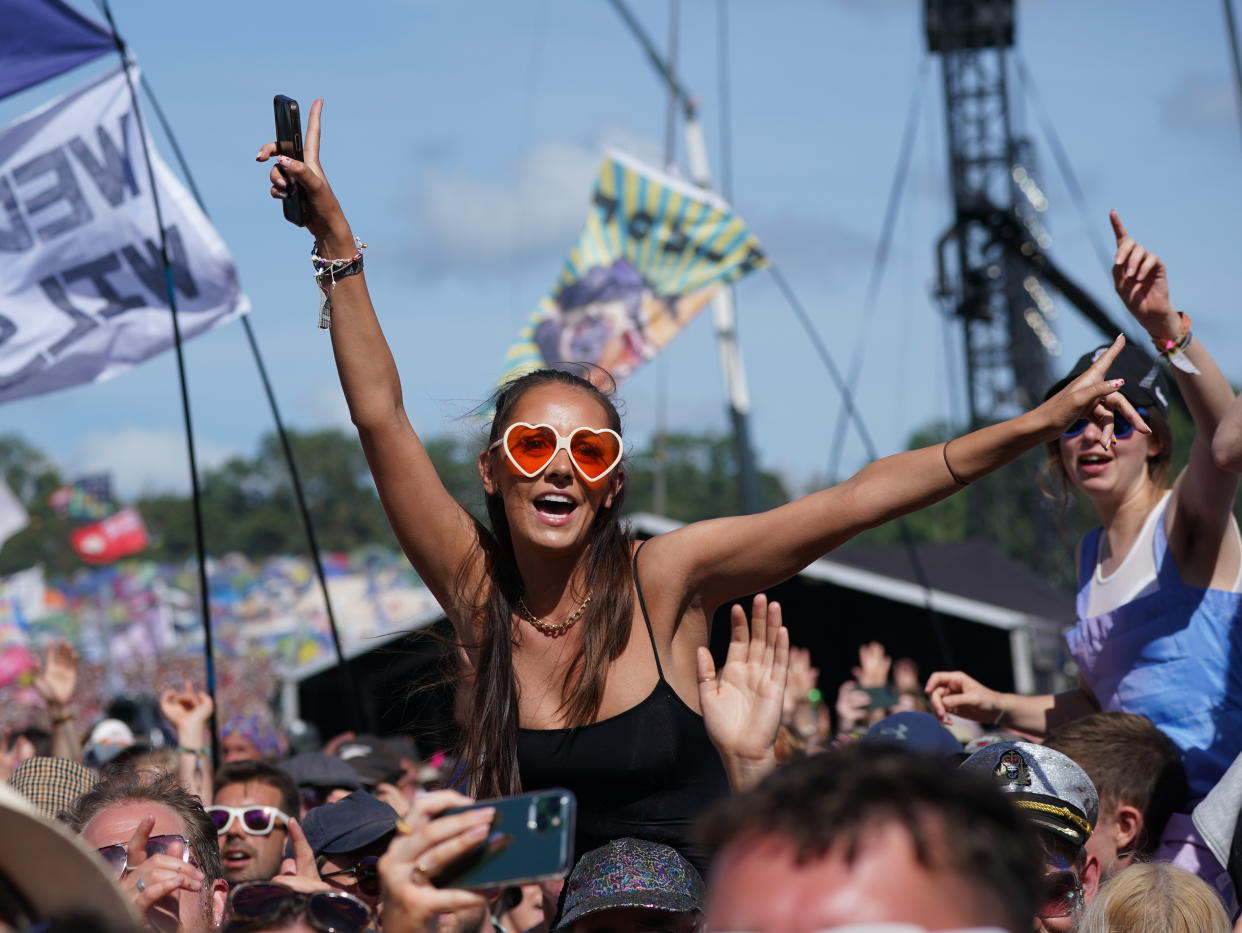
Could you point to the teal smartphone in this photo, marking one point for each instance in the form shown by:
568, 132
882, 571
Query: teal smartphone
532, 839
881, 697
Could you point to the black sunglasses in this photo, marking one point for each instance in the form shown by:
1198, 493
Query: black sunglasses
328, 911
1122, 428
366, 873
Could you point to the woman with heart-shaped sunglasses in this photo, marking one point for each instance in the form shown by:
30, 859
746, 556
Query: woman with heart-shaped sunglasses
586, 656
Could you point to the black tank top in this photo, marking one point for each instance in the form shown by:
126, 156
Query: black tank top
647, 772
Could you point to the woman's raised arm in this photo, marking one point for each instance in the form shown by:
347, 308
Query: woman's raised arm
436, 534
724, 558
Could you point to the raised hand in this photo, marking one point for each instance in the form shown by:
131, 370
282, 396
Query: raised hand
423, 847
873, 665
851, 706
152, 881
58, 675
1142, 283
962, 695
186, 707
1095, 398
742, 704
300, 873
391, 795
324, 219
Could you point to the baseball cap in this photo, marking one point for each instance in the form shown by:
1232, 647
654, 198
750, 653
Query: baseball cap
55, 872
315, 769
631, 873
372, 758
1052, 790
1146, 382
915, 731
108, 739
351, 823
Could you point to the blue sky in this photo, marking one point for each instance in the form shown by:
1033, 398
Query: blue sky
462, 138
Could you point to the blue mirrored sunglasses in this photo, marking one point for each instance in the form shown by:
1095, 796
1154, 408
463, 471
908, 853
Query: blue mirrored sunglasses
1122, 428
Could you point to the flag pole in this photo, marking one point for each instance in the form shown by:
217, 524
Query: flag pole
345, 681
196, 495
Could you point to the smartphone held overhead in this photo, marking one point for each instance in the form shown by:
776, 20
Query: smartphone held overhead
289, 143
531, 839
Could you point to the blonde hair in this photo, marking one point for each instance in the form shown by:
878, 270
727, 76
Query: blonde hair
1155, 897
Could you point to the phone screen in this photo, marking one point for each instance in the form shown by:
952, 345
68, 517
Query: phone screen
531, 840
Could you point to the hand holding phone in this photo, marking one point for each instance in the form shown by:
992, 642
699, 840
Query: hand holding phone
289, 143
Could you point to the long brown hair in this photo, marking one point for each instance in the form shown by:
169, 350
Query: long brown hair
489, 708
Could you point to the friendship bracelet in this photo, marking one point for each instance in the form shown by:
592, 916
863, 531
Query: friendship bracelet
63, 718
196, 752
1172, 348
957, 479
327, 271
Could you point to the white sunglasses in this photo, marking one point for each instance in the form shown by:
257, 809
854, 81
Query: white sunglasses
255, 820
529, 448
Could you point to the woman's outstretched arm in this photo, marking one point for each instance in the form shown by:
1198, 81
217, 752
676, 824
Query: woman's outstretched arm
1203, 494
436, 534
960, 694
725, 558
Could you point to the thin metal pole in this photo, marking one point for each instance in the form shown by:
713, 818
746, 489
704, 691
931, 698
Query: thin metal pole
1235, 55
344, 681
196, 494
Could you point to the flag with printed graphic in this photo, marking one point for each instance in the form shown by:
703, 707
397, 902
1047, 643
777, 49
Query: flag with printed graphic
653, 253
84, 500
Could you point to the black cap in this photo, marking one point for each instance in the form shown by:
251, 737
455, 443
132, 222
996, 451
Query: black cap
351, 823
1146, 383
372, 759
314, 769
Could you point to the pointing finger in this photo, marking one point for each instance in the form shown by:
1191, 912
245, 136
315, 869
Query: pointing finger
310, 142
137, 847
1119, 229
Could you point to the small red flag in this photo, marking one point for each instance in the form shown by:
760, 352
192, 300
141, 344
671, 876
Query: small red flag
110, 539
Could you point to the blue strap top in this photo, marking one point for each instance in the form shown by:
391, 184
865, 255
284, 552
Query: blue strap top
1173, 655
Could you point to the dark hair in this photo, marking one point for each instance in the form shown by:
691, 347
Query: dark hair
1130, 762
1055, 484
284, 913
260, 772
41, 739
489, 720
833, 800
129, 787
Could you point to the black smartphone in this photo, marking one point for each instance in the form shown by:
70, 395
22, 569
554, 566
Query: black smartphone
531, 839
289, 143
881, 697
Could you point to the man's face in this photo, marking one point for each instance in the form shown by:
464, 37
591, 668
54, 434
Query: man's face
636, 920
249, 857
757, 885
184, 911
1068, 889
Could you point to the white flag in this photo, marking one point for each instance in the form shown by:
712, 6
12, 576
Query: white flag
83, 293
13, 517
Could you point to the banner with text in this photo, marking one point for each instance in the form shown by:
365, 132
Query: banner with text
654, 252
83, 292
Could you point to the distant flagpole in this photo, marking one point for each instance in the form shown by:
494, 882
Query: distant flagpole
196, 495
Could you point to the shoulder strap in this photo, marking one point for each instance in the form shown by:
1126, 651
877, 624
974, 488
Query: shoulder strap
1088, 555
1166, 568
642, 604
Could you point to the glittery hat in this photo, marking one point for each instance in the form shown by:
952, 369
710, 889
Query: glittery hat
1054, 792
631, 873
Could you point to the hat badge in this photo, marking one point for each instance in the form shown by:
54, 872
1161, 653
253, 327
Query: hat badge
1013, 769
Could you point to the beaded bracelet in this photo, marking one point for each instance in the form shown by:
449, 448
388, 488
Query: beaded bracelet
1172, 348
327, 271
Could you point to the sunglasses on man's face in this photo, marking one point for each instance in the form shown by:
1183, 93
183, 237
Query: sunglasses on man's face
257, 821
1122, 428
529, 448
365, 873
328, 911
117, 855
1062, 895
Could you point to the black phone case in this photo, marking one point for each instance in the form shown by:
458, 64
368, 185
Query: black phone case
289, 143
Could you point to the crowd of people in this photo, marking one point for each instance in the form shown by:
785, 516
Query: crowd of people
705, 797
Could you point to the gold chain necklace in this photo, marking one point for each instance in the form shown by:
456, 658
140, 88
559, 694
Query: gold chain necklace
551, 629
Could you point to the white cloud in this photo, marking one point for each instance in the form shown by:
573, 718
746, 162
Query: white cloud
1200, 102
143, 460
530, 209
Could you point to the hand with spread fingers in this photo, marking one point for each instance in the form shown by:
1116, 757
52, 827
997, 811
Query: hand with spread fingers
742, 703
1094, 397
153, 882
422, 848
58, 675
300, 873
873, 665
